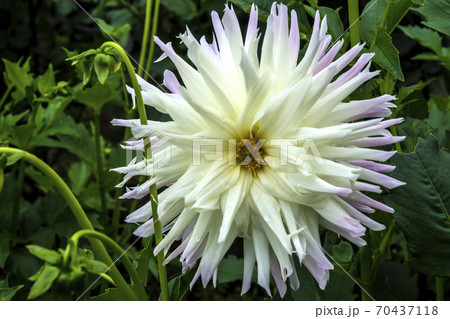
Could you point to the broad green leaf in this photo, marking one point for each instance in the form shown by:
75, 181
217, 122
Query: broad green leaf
386, 55
185, 9
78, 175
436, 14
426, 37
335, 25
230, 269
343, 252
385, 14
395, 281
48, 255
96, 96
442, 103
45, 280
6, 294
422, 205
440, 122
412, 129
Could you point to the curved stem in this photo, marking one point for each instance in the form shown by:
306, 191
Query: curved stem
148, 154
133, 78
148, 15
152, 40
98, 155
118, 250
353, 16
79, 214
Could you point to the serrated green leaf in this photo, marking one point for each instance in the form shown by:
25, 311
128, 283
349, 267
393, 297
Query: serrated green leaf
440, 122
422, 205
425, 37
19, 76
44, 281
96, 96
48, 255
436, 14
46, 81
386, 55
412, 129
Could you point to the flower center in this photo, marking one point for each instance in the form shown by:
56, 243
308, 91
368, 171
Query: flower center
250, 154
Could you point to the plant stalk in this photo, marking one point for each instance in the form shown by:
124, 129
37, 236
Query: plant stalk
439, 288
79, 214
148, 15
98, 155
148, 153
136, 280
353, 16
152, 40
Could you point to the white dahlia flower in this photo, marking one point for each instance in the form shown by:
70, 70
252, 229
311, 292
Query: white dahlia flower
281, 153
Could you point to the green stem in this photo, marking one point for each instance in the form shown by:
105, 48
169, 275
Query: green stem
439, 288
366, 268
353, 16
5, 96
136, 280
98, 155
79, 214
18, 197
158, 238
148, 153
152, 40
398, 147
148, 15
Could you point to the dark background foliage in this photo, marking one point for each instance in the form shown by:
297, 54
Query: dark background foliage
36, 214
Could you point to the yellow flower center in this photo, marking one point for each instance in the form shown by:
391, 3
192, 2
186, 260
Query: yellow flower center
250, 154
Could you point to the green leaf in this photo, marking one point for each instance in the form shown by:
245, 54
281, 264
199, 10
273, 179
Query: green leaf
48, 255
436, 14
19, 76
4, 249
422, 205
185, 9
110, 294
45, 280
96, 96
386, 55
343, 252
230, 269
46, 81
440, 122
412, 129
426, 37
378, 14
78, 175
442, 103
395, 281
101, 67
371, 19
14, 158
143, 261
94, 266
6, 294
